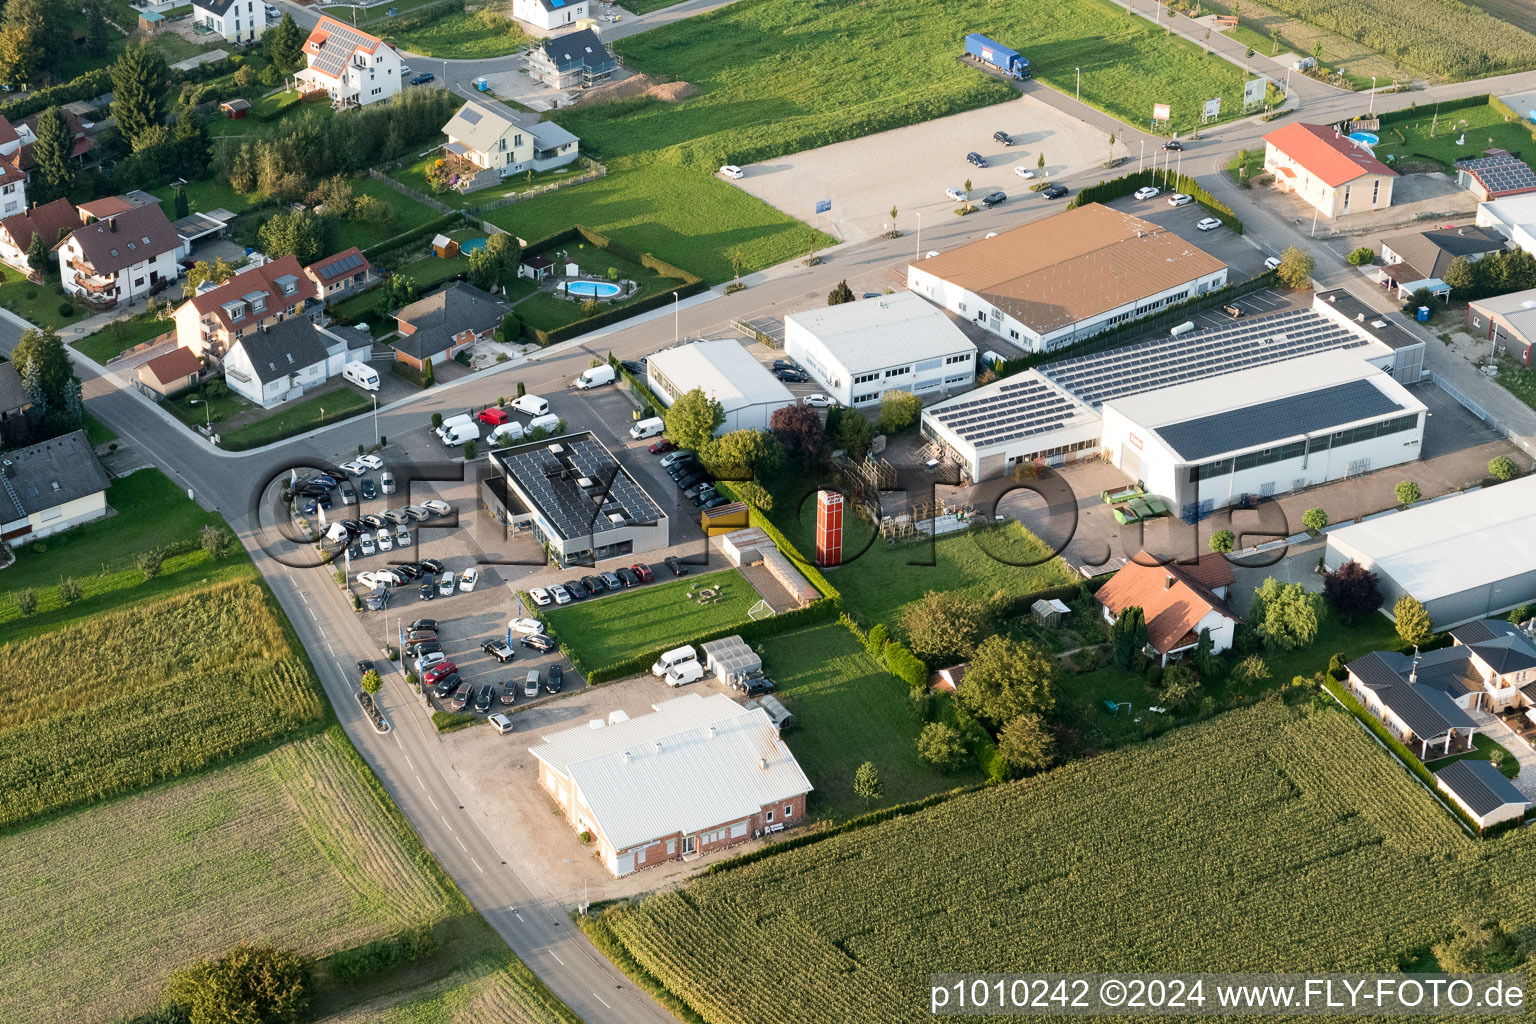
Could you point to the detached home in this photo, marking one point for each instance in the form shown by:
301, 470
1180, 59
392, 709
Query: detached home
121, 257
494, 140
212, 321
51, 221
278, 363
170, 374
50, 487
1178, 602
349, 65
576, 60
1331, 173
550, 14
237, 21
436, 327
337, 277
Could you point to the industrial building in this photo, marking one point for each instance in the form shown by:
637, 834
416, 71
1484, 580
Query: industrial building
1466, 557
1053, 414
1065, 278
859, 350
1513, 218
724, 371
576, 499
1507, 321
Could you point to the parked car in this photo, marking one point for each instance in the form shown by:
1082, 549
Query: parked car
574, 590
683, 468
395, 515
817, 401
1024, 172
793, 376
431, 624
754, 687
355, 551
676, 456
322, 480
502, 723
531, 683
538, 642
366, 545
1054, 191
409, 571
731, 171
426, 659
461, 696
1002, 137
417, 635
661, 447
956, 194
785, 364
499, 650
975, 159
445, 584
1180, 199
367, 488
1207, 224
377, 600
688, 480
417, 513
468, 579
493, 417
437, 508
610, 581
484, 698
554, 679
541, 597
1233, 311
703, 496
627, 577
635, 366
677, 567
402, 537
715, 502
693, 492
446, 685
387, 482
423, 78
994, 199
428, 592
1174, 144
643, 572
373, 521
371, 461
434, 674
561, 595
1272, 263
347, 494
592, 585
526, 625
385, 542
508, 694
1148, 192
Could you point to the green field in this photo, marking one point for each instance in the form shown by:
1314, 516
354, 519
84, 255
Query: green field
204, 195
849, 710
605, 630
461, 36
37, 304
288, 116
409, 214
295, 418
548, 311
1268, 839
1422, 135
119, 336
495, 988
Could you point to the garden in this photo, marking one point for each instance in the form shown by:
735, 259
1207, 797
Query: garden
113, 339
548, 310
416, 176
43, 305
1438, 136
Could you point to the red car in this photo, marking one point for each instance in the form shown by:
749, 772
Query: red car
662, 447
644, 572
438, 671
493, 417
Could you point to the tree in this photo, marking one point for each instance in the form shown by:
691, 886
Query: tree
1274, 41
1361, 256
1041, 162
25, 23
854, 433
1251, 669
1502, 468
1026, 745
140, 81
1127, 636
756, 495
298, 233
400, 291
69, 590
1222, 541
1204, 657
98, 37
285, 44
204, 272
1180, 689
898, 411
40, 257
799, 429
215, 541
26, 601
744, 455
1413, 625
179, 202
867, 784
150, 563
1285, 614
1407, 492
371, 683
247, 985
17, 54
1477, 947
1353, 591
841, 294
1315, 520
738, 259
693, 420
1296, 267
491, 265
941, 746
1007, 678
49, 379
335, 196
945, 626
54, 167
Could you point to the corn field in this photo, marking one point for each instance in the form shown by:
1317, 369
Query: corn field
1271, 838
1441, 37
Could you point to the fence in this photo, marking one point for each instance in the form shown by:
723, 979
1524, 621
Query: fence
1468, 403
594, 171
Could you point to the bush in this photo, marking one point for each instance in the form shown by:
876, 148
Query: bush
66, 309
1407, 493
69, 590
26, 601
941, 746
1502, 468
149, 563
249, 984
1315, 520
1363, 256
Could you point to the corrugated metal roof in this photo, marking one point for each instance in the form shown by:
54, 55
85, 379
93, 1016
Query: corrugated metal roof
1264, 422
894, 329
724, 369
1479, 785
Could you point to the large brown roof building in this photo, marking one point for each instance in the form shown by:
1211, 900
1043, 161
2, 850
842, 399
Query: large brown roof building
1059, 280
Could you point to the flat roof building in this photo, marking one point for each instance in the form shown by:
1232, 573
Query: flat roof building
576, 498
726, 372
1469, 556
1513, 218
1508, 321
1065, 278
859, 350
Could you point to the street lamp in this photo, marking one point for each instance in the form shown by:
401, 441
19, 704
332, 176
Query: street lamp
675, 330
917, 254
1373, 95
1079, 84
375, 418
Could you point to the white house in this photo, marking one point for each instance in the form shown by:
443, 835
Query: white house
349, 65
491, 137
725, 371
1178, 602
278, 363
238, 21
1481, 791
1513, 218
1331, 173
898, 342
48, 220
49, 487
121, 257
550, 14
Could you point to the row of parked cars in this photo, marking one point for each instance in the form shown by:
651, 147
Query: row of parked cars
440, 674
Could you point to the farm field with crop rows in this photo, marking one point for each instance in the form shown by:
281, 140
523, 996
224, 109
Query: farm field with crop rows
1269, 838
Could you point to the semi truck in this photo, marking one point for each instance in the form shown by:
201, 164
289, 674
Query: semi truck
994, 54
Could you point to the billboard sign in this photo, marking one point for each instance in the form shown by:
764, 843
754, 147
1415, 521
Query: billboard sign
1213, 109
1161, 111
1253, 91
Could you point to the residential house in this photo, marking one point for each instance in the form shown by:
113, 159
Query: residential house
1422, 714
26, 138
550, 14
14, 400
211, 321
349, 65
1418, 259
339, 276
436, 327
1495, 175
1508, 321
51, 220
576, 60
120, 258
106, 206
696, 775
49, 487
279, 362
1482, 792
1179, 602
13, 190
1331, 173
171, 373
493, 139
237, 21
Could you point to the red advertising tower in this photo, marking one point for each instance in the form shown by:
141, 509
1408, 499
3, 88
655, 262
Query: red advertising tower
829, 528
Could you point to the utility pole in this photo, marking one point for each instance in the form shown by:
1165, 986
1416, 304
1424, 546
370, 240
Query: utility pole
917, 253
1373, 95
375, 418
1142, 157
1079, 84
676, 336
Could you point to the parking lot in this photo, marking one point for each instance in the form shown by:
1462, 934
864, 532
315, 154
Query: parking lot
909, 168
1244, 258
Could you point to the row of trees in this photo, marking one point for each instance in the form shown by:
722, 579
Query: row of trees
52, 387
35, 37
1510, 270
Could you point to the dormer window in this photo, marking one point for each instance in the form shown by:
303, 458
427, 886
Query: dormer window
236, 313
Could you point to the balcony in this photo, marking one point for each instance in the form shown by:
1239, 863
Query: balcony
98, 287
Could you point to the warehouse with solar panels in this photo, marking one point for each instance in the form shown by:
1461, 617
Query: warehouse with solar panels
1082, 407
574, 497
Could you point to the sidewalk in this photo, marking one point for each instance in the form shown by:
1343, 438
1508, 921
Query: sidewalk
1495, 729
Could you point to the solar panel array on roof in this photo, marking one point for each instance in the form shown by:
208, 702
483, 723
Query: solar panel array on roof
351, 261
1501, 173
471, 115
1163, 362
1022, 406
1276, 420
338, 46
577, 486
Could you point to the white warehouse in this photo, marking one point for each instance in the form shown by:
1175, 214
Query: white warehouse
726, 372
897, 342
1065, 278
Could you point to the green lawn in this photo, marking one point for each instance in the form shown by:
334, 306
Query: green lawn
1483, 749
415, 175
849, 710
203, 195
1421, 136
605, 630
196, 409
39, 304
97, 432
295, 418
408, 212
427, 272
223, 126
1252, 162
647, 6
119, 336
461, 36
548, 311
1518, 381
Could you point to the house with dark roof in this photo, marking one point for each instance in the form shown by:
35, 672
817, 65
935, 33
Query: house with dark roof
576, 60
120, 258
436, 327
171, 373
1333, 174
1177, 602
209, 323
1418, 259
14, 399
238, 21
350, 66
49, 487
280, 362
550, 15
80, 147
336, 277
1482, 792
51, 220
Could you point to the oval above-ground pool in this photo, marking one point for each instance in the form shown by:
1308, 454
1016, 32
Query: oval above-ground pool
596, 289
469, 245
1365, 138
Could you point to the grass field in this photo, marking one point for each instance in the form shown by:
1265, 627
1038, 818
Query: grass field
1343, 54
1268, 839
119, 336
461, 36
222, 127
1518, 381
849, 710
195, 409
1517, 12
1421, 135
602, 631
203, 195
548, 311
495, 988
38, 304
415, 175
295, 418
409, 214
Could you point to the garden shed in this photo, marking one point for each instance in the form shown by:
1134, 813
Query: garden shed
236, 109
444, 247
1049, 612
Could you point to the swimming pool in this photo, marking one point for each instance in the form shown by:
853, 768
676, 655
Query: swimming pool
1365, 138
469, 245
596, 289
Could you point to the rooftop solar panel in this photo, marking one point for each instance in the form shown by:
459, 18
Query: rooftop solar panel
552, 480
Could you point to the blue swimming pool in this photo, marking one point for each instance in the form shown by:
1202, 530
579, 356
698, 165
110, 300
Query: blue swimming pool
1365, 138
471, 244
596, 289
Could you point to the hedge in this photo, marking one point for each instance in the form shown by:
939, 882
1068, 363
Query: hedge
905, 665
1417, 112
84, 87
646, 395
1104, 191
755, 517
380, 954
390, 246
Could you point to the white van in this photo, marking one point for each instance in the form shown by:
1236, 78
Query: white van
549, 422
1183, 328
507, 433
683, 674
459, 433
648, 428
452, 423
531, 405
992, 359
673, 658
595, 376
361, 374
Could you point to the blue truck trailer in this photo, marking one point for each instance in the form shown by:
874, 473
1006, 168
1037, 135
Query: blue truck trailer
994, 54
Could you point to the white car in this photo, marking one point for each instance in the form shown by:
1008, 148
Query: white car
1180, 199
353, 468
367, 545
402, 537
370, 580
467, 580
1272, 263
384, 542
1024, 172
560, 594
526, 625
1148, 192
731, 171
957, 194
1208, 224
818, 401
930, 254
502, 723
437, 508
541, 597
990, 234
371, 461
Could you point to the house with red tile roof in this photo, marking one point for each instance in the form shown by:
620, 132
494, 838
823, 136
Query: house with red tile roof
49, 220
213, 321
336, 277
120, 257
1333, 174
1178, 602
349, 65
171, 373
